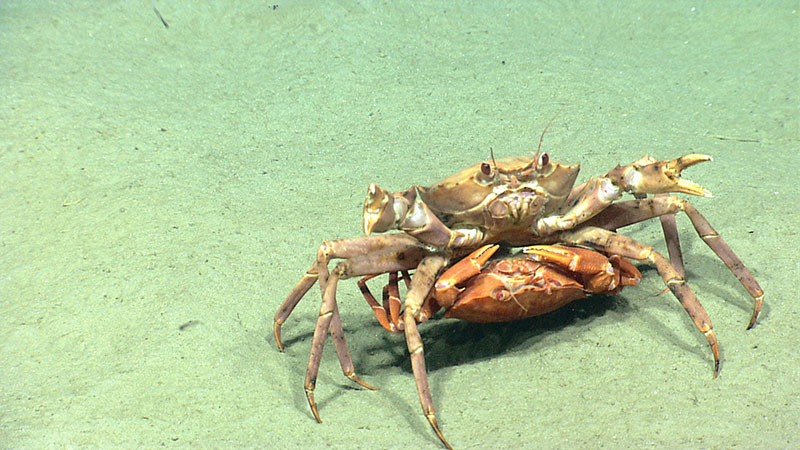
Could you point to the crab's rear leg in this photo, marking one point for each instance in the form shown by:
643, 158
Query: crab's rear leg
387, 312
622, 214
670, 227
610, 242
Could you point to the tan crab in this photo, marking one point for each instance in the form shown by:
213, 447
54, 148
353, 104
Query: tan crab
518, 201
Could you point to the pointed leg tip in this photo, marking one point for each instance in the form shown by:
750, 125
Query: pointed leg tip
432, 420
370, 387
752, 322
756, 311
313, 405
712, 341
277, 331
361, 382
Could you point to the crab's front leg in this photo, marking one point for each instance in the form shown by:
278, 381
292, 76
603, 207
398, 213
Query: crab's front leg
407, 212
644, 176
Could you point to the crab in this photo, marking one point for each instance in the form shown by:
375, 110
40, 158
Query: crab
513, 202
540, 279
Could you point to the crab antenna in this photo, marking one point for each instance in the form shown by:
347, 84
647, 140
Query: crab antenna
541, 138
494, 163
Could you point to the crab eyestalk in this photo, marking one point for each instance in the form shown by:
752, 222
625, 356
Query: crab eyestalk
379, 213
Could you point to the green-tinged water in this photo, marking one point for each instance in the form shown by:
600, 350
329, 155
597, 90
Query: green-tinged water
162, 189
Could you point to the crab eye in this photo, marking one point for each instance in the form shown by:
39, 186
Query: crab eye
486, 168
544, 159
501, 295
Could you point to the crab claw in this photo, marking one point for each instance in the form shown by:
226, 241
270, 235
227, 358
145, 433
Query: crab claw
378, 212
598, 273
445, 289
648, 176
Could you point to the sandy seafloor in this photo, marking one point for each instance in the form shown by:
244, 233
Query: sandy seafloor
162, 190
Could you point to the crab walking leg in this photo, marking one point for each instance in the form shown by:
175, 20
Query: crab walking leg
377, 309
292, 300
345, 360
390, 298
608, 241
621, 214
344, 248
318, 271
388, 314
318, 343
670, 228
392, 301
421, 284
391, 259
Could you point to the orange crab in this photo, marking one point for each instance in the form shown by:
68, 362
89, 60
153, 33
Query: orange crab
541, 279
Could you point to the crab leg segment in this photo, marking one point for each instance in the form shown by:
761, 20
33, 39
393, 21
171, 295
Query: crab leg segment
319, 271
330, 320
670, 227
292, 300
344, 248
345, 360
622, 245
